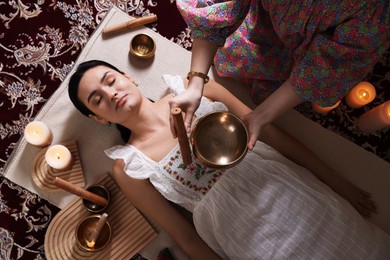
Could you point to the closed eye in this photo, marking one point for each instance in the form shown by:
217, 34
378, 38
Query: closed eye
112, 82
97, 100
110, 79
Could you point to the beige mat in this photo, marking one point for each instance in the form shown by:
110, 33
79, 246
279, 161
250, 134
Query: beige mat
361, 167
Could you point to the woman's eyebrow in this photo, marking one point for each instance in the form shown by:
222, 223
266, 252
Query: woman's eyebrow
101, 82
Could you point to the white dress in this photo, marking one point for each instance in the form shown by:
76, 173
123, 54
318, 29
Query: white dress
266, 207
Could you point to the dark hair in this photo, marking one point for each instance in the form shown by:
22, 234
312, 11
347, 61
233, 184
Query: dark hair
73, 88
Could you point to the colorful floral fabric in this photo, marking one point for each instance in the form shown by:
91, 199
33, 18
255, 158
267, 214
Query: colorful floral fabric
324, 47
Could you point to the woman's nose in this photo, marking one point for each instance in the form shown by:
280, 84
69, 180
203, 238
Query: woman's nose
113, 96
110, 93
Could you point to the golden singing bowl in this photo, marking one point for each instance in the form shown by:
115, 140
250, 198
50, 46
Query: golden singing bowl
219, 140
101, 191
142, 46
84, 230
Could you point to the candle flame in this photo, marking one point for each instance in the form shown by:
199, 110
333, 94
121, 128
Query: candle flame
364, 94
90, 244
58, 156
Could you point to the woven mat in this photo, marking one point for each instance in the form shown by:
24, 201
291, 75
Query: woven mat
130, 231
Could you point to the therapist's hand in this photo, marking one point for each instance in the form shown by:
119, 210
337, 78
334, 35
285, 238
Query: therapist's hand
281, 101
188, 102
254, 125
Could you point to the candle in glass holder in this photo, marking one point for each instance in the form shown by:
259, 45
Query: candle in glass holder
59, 157
324, 110
361, 95
375, 119
38, 134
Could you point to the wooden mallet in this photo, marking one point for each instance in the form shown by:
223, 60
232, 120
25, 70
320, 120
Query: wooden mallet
182, 135
108, 30
83, 193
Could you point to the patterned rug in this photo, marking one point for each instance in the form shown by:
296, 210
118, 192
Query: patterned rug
24, 218
39, 43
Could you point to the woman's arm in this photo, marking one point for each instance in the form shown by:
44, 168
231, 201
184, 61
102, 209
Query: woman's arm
294, 150
281, 101
202, 56
150, 202
216, 92
300, 154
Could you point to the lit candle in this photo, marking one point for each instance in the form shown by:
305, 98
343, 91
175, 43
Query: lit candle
59, 157
360, 95
38, 134
376, 118
96, 231
324, 110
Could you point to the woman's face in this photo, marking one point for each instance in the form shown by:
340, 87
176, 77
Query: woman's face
109, 94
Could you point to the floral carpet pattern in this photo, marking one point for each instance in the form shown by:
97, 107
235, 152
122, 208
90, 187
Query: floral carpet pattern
40, 41
24, 219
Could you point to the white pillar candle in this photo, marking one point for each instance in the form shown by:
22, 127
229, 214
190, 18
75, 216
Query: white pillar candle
38, 134
376, 118
59, 157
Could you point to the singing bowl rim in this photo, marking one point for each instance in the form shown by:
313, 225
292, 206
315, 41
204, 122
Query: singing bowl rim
201, 157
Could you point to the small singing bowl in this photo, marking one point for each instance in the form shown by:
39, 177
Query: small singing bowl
219, 140
101, 191
142, 46
84, 230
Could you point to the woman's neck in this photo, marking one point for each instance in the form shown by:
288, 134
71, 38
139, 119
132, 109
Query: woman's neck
151, 118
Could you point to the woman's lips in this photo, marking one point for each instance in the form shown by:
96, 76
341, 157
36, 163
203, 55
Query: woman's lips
121, 101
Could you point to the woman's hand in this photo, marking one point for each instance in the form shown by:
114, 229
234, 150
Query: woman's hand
282, 100
188, 102
202, 55
254, 125
360, 199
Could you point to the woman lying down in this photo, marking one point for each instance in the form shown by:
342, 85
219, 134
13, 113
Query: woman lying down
266, 207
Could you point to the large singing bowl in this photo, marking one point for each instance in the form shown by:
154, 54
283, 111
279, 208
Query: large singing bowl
219, 140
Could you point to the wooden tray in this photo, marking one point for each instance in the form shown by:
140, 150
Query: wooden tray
130, 230
43, 175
